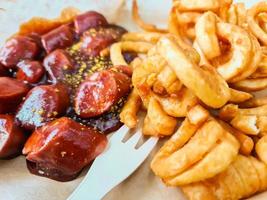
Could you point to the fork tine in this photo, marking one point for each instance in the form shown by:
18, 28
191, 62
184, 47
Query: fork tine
134, 139
148, 145
120, 134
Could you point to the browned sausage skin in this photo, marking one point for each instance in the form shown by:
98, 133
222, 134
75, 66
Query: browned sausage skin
16, 49
12, 137
62, 148
12, 92
100, 91
43, 104
68, 78
58, 38
57, 63
123, 69
90, 19
96, 39
30, 71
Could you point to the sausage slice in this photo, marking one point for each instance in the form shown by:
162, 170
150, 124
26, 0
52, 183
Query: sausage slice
58, 38
43, 104
16, 49
12, 90
62, 148
100, 92
90, 19
30, 71
12, 137
57, 63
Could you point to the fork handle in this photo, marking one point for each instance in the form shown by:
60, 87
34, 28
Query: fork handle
97, 185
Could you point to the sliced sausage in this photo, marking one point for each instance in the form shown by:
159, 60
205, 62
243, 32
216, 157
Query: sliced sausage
43, 104
62, 148
30, 71
12, 92
90, 19
57, 64
100, 92
16, 49
96, 39
123, 69
58, 38
12, 137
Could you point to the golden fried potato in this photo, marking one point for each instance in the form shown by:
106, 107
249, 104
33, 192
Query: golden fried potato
261, 149
198, 5
203, 59
186, 21
258, 111
157, 122
177, 106
261, 169
206, 84
206, 35
116, 54
238, 181
239, 96
246, 124
241, 50
241, 14
142, 37
262, 124
175, 88
173, 26
261, 19
261, 71
253, 26
248, 174
246, 143
232, 15
232, 182
256, 58
178, 140
171, 165
166, 77
130, 109
116, 50
211, 164
237, 14
255, 102
242, 62
229, 111
251, 85
197, 115
188, 17
198, 191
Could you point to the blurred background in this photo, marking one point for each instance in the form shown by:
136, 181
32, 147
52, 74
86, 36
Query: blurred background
14, 12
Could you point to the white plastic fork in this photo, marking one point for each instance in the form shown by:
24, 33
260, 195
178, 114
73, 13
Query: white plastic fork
114, 165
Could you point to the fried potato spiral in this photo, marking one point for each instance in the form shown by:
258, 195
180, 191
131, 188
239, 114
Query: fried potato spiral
245, 49
253, 25
204, 82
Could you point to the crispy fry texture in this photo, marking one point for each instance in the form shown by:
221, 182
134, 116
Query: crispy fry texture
240, 180
179, 163
209, 67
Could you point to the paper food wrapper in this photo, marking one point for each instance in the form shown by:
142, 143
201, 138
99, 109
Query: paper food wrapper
16, 183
